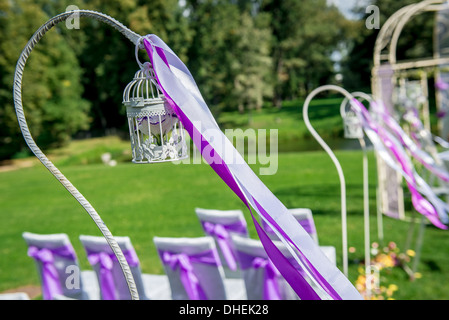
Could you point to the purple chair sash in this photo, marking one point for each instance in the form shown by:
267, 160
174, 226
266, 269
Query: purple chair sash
221, 233
188, 277
50, 276
106, 264
271, 289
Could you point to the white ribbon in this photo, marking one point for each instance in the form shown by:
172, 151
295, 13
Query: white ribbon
180, 86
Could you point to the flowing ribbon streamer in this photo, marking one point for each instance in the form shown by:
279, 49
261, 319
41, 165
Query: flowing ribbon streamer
50, 276
188, 277
307, 224
441, 85
182, 93
221, 232
106, 264
416, 183
384, 141
422, 156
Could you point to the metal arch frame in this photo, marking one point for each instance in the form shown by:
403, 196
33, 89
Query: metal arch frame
388, 37
386, 69
17, 91
384, 55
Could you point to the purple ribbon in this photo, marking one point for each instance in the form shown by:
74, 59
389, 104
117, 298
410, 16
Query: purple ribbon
271, 289
441, 114
419, 154
441, 85
221, 233
50, 276
188, 277
293, 276
307, 224
420, 204
106, 264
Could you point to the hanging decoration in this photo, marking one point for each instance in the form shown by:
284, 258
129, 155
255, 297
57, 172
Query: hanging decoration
183, 95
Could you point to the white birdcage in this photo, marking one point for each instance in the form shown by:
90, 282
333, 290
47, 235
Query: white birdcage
156, 133
352, 125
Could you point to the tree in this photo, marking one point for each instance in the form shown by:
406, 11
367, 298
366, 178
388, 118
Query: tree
305, 33
230, 54
252, 64
51, 82
108, 58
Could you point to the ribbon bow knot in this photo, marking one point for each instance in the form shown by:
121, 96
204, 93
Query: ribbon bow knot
271, 290
223, 240
175, 260
106, 264
188, 277
50, 276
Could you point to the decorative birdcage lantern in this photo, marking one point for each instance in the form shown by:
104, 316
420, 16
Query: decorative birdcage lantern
155, 131
352, 126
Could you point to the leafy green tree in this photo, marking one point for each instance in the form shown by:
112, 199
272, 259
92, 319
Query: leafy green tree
51, 82
108, 59
305, 33
252, 64
230, 54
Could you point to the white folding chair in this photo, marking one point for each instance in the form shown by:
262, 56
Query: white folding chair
14, 296
58, 268
305, 218
194, 270
262, 280
221, 225
111, 280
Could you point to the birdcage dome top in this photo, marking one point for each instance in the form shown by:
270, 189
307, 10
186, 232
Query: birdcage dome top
143, 97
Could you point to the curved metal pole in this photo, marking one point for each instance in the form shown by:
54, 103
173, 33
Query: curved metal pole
134, 38
365, 194
336, 163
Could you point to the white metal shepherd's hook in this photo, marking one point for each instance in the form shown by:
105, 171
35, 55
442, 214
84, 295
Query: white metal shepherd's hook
17, 90
343, 105
335, 161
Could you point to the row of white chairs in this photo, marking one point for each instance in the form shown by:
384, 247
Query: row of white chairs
225, 264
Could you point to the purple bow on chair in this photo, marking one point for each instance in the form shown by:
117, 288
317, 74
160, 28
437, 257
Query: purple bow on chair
221, 232
50, 276
271, 290
106, 262
188, 277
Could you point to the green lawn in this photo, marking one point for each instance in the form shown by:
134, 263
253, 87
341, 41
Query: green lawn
143, 201
324, 114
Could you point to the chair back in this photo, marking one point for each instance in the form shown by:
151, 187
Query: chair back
262, 280
193, 268
112, 282
304, 217
221, 225
57, 265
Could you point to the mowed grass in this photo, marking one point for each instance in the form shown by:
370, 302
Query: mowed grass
143, 201
324, 114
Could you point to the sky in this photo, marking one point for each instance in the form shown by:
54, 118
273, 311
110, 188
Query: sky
345, 6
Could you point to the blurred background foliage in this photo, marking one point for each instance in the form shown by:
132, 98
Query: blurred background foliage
245, 55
